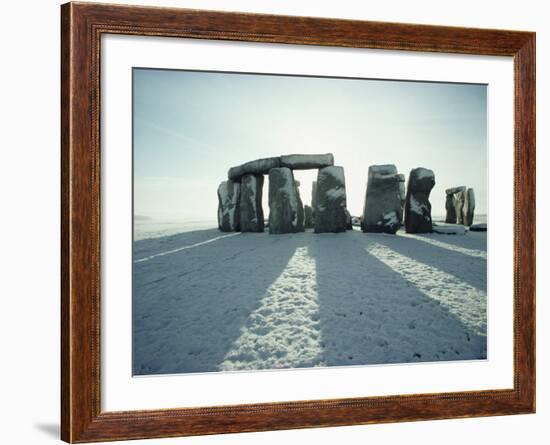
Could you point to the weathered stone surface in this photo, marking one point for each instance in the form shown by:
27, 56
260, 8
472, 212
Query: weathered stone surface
228, 206
383, 208
294, 162
469, 207
251, 212
313, 200
418, 209
306, 162
300, 207
257, 167
330, 211
283, 202
349, 225
308, 217
454, 204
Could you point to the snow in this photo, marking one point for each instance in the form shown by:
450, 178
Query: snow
206, 303
390, 218
336, 193
417, 207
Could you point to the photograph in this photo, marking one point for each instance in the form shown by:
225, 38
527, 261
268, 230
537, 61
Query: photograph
286, 221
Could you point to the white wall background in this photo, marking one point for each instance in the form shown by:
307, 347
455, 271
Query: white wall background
29, 184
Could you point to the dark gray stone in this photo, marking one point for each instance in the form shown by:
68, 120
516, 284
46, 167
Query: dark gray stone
228, 206
306, 162
283, 202
300, 208
469, 207
450, 217
383, 208
257, 167
308, 217
251, 212
349, 225
313, 200
330, 210
454, 203
418, 209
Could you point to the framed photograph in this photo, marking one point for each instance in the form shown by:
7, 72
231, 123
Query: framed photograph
274, 222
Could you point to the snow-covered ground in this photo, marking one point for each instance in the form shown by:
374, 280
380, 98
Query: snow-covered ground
209, 301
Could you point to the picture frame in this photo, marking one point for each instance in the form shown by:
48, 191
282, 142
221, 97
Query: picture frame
82, 26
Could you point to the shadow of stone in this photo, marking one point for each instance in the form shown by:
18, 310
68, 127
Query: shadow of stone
369, 314
472, 240
463, 267
189, 307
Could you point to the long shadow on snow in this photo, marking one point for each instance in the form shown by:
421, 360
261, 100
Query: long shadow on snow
471, 240
463, 267
369, 314
189, 307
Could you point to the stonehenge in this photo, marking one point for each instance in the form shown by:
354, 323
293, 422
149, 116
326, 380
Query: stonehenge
330, 211
383, 208
240, 196
418, 209
460, 205
388, 205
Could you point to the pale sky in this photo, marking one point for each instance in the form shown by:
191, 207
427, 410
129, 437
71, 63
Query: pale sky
190, 127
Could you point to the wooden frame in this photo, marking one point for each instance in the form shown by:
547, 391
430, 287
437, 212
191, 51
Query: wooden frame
81, 27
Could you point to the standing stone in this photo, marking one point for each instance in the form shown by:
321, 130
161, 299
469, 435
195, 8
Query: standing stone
450, 217
300, 208
283, 202
308, 217
469, 207
330, 211
251, 212
313, 200
383, 209
458, 197
349, 225
418, 210
228, 206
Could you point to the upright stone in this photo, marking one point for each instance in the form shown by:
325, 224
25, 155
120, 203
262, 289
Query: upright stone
251, 212
459, 196
283, 202
450, 217
308, 217
300, 208
349, 225
228, 206
383, 209
418, 210
469, 207
313, 200
330, 211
